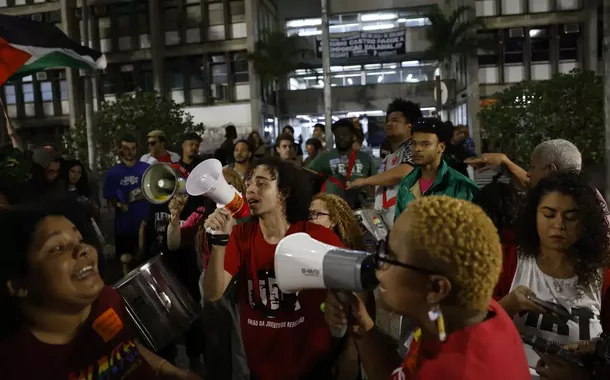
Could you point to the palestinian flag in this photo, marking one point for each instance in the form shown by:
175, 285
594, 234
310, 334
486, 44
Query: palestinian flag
28, 46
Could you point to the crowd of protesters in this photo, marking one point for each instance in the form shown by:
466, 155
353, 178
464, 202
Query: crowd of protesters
472, 271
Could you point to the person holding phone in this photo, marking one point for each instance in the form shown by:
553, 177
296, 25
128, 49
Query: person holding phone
562, 251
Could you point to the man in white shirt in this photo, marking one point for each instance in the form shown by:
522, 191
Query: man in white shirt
400, 115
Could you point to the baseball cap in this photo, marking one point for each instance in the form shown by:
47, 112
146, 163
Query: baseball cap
156, 133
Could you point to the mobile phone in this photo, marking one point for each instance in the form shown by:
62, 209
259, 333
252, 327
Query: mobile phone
555, 309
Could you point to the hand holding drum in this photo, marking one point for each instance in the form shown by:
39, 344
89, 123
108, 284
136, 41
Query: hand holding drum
220, 222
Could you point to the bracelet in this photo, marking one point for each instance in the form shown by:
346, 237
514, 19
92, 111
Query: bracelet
159, 367
218, 240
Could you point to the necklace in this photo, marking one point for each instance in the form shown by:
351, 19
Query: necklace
558, 286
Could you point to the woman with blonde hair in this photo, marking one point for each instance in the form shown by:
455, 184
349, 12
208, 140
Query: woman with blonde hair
332, 212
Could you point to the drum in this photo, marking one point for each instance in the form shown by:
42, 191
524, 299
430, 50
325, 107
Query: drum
159, 306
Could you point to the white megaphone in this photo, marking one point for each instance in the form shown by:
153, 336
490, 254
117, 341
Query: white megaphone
302, 262
207, 180
161, 182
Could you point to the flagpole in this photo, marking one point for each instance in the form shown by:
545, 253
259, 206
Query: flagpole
15, 140
89, 117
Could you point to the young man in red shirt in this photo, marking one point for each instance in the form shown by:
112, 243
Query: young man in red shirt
284, 335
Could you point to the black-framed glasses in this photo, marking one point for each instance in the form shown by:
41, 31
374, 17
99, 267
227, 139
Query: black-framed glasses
383, 259
313, 215
152, 143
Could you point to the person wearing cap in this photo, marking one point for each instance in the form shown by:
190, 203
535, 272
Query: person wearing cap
432, 175
343, 164
156, 146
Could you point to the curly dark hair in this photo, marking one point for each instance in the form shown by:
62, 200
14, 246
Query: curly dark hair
410, 110
294, 185
590, 253
19, 224
501, 202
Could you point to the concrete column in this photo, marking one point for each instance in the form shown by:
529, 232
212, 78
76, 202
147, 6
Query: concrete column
157, 45
474, 98
70, 26
591, 36
95, 40
256, 104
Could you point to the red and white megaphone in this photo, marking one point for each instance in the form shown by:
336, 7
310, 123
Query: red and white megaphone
207, 180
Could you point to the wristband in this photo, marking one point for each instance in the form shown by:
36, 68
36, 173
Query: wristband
218, 240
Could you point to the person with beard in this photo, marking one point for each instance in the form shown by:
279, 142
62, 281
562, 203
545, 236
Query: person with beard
242, 155
298, 345
122, 189
401, 115
343, 165
190, 151
432, 176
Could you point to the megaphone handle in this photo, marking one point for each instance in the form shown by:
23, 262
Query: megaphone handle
339, 332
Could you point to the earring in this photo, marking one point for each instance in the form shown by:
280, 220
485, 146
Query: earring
436, 315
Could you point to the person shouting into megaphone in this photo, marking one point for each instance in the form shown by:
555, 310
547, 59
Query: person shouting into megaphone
284, 335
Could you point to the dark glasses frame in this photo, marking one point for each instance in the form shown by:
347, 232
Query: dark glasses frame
313, 215
381, 258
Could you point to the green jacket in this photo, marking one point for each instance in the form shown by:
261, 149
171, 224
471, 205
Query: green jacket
448, 182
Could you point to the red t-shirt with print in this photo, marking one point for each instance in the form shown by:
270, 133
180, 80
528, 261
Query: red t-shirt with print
491, 349
104, 348
285, 335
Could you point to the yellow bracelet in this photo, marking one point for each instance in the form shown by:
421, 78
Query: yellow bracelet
159, 367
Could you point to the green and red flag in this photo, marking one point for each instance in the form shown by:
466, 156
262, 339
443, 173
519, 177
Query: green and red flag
28, 46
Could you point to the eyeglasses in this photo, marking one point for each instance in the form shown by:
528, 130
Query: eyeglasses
383, 259
313, 215
152, 143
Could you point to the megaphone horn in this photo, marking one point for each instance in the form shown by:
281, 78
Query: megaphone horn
161, 182
207, 180
302, 262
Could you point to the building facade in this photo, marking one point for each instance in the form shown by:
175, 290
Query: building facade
194, 51
536, 38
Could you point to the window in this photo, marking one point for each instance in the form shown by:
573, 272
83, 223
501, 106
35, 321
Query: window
63, 87
146, 81
513, 46
46, 88
193, 17
541, 45
568, 42
174, 73
142, 23
28, 92
216, 14
127, 78
240, 68
490, 57
123, 25
238, 11
219, 69
109, 81
170, 19
9, 94
104, 25
195, 72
